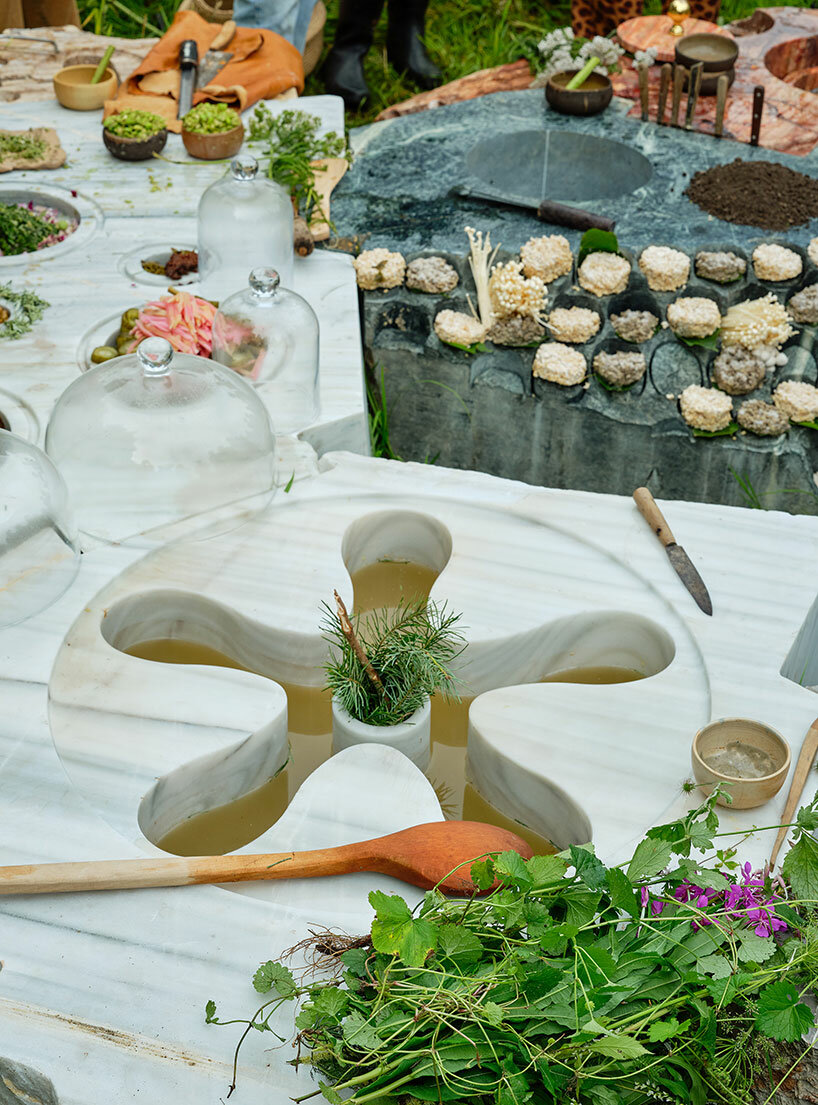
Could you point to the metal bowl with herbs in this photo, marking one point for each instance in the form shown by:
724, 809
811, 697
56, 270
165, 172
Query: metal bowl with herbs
134, 135
212, 131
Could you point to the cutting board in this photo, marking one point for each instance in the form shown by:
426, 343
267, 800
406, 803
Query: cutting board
328, 171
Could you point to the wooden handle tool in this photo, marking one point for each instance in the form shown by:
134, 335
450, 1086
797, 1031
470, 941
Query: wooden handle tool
303, 242
758, 110
678, 83
437, 854
680, 562
722, 85
643, 92
225, 35
664, 86
802, 769
694, 84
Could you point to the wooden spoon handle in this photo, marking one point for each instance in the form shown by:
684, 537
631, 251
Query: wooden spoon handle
799, 778
653, 515
303, 241
135, 874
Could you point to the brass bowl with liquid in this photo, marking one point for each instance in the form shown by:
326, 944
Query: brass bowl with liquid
759, 741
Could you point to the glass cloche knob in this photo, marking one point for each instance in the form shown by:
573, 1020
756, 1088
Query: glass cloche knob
155, 356
244, 167
264, 282
38, 542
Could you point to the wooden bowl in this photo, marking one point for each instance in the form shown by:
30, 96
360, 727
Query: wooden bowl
594, 96
746, 792
73, 88
134, 149
213, 147
716, 52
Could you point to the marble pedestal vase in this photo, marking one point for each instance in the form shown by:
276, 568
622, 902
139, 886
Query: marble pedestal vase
412, 737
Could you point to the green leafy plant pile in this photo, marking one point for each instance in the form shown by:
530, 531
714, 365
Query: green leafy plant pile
410, 650
292, 143
134, 124
22, 231
211, 119
21, 145
570, 981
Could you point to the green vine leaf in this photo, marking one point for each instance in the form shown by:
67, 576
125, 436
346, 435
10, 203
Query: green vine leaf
618, 1047
272, 976
781, 1015
755, 949
660, 1031
396, 932
650, 857
588, 867
800, 868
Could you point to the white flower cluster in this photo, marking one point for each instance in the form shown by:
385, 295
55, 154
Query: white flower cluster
605, 49
643, 59
512, 293
557, 49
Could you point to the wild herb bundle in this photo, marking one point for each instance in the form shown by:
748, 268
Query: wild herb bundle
407, 656
22, 231
668, 978
292, 143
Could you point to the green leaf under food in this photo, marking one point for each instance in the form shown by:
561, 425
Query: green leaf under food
477, 347
807, 425
781, 1015
728, 431
710, 341
597, 241
613, 387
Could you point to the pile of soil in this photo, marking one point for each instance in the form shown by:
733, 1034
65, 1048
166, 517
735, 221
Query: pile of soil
756, 193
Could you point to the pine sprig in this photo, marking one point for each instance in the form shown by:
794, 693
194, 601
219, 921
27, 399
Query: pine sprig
411, 649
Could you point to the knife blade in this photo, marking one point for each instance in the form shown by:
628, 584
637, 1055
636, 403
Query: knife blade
694, 84
678, 82
722, 85
188, 64
216, 57
758, 109
664, 85
550, 212
680, 561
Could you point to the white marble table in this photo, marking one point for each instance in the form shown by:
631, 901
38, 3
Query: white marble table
89, 280
107, 991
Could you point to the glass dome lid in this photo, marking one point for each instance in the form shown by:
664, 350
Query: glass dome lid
245, 220
155, 437
269, 336
38, 541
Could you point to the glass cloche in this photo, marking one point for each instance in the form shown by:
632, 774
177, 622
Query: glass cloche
38, 542
245, 221
156, 436
270, 337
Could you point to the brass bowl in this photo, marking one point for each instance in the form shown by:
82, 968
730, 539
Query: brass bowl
73, 88
594, 95
746, 792
717, 53
213, 147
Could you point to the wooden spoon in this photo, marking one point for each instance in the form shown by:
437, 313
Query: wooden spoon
799, 778
425, 855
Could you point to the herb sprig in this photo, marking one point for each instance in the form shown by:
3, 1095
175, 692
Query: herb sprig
569, 982
292, 143
22, 231
30, 309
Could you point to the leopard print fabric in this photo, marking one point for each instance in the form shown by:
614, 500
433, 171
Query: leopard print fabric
601, 17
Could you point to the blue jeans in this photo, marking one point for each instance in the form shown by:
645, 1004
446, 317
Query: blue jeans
288, 18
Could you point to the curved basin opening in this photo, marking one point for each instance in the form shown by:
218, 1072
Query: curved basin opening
795, 62
559, 165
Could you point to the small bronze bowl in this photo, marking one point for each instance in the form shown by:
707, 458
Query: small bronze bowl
134, 149
747, 791
594, 95
213, 147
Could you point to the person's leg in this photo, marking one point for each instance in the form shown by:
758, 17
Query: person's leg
288, 18
343, 72
404, 42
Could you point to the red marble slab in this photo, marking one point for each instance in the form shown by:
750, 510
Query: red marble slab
654, 30
788, 49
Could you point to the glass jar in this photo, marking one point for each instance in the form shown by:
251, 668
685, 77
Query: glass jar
153, 437
245, 221
270, 337
39, 555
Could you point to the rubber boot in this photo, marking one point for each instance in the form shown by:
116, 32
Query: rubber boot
343, 71
404, 42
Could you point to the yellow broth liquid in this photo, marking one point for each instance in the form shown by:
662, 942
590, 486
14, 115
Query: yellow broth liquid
237, 823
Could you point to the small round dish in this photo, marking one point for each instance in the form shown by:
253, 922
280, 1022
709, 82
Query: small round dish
213, 147
717, 53
594, 96
73, 88
748, 744
134, 149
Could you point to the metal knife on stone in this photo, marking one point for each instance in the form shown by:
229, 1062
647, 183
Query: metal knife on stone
559, 214
681, 562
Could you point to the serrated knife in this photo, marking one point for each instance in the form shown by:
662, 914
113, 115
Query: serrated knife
681, 562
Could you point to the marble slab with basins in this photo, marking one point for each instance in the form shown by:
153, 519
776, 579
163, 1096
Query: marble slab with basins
130, 211
100, 752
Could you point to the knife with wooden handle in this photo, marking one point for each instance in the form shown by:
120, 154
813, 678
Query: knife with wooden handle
643, 92
722, 84
678, 82
664, 86
758, 110
799, 778
681, 562
695, 83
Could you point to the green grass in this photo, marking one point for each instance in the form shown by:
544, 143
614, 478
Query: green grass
461, 35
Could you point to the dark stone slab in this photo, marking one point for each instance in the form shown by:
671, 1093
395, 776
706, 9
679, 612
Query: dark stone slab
22, 1085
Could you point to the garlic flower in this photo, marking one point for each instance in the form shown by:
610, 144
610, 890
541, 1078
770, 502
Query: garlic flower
512, 293
605, 49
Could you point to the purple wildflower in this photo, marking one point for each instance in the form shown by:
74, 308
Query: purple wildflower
746, 901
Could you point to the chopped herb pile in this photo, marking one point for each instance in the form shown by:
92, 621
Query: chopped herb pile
666, 978
25, 228
292, 142
29, 309
211, 119
21, 145
134, 124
